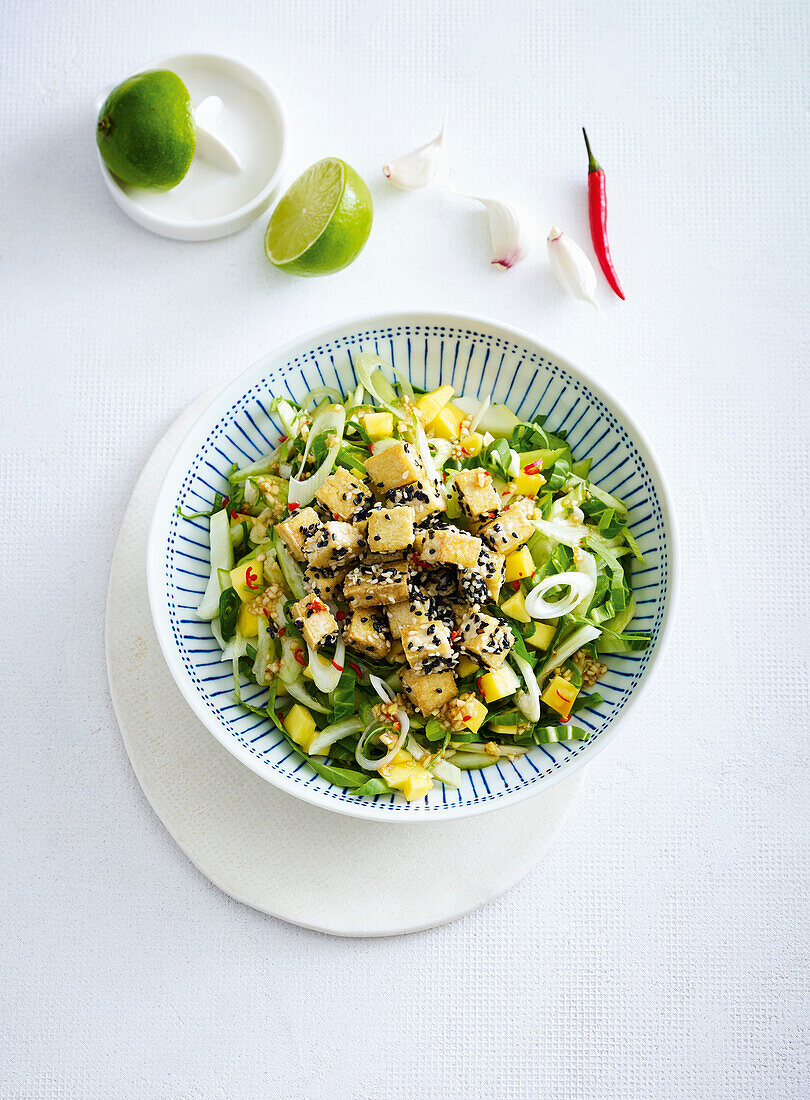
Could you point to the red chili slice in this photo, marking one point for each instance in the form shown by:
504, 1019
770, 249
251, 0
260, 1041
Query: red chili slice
251, 580
341, 615
356, 669
334, 664
298, 653
515, 585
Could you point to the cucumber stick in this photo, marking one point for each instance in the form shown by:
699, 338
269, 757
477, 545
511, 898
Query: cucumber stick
221, 558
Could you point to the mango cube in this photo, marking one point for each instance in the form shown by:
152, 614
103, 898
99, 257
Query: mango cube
466, 666
472, 444
519, 565
300, 725
418, 783
247, 623
379, 425
559, 695
431, 404
497, 684
542, 636
248, 579
473, 714
515, 608
527, 485
447, 423
404, 774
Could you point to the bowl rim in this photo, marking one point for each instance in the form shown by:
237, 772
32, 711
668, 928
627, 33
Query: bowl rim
234, 220
284, 352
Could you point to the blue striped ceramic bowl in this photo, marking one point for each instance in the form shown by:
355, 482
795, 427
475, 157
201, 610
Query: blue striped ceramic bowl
475, 356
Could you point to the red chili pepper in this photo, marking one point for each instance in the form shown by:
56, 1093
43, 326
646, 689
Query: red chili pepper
251, 580
515, 585
466, 451
282, 439
565, 697
597, 210
334, 664
298, 653
454, 633
282, 630
292, 506
478, 683
565, 720
356, 669
340, 616
531, 468
226, 501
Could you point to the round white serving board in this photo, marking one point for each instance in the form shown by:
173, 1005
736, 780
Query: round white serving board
325, 871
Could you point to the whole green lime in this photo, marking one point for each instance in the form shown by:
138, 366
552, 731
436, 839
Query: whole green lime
146, 132
322, 222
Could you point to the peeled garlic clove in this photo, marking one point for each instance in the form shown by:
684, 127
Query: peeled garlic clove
572, 268
510, 229
419, 167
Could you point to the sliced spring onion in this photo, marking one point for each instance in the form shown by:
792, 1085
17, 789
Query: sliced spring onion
578, 584
371, 763
586, 564
326, 737
562, 530
528, 702
263, 647
444, 448
221, 552
424, 453
496, 419
288, 416
382, 689
404, 382
326, 673
365, 365
290, 568
578, 639
299, 692
251, 491
260, 466
330, 418
316, 395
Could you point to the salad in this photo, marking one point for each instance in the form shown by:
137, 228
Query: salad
419, 582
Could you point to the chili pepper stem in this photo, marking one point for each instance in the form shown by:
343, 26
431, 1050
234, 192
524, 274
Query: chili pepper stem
593, 163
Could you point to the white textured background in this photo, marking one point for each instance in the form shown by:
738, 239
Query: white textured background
661, 949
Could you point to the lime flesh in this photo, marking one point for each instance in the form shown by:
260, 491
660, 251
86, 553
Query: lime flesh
322, 222
146, 132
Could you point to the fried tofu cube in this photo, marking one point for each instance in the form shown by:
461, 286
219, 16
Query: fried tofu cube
395, 466
482, 584
486, 639
325, 583
343, 494
390, 530
427, 645
403, 615
423, 495
448, 546
511, 528
428, 691
315, 621
377, 585
367, 633
437, 584
297, 528
476, 494
336, 543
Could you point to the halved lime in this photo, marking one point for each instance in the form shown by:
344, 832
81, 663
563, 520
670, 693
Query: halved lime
322, 222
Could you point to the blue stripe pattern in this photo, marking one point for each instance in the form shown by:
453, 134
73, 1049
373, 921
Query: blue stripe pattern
473, 362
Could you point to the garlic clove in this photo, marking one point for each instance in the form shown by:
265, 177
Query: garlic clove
572, 268
419, 167
510, 228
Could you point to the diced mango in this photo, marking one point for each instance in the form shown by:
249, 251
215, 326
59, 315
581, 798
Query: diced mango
542, 636
431, 404
519, 565
471, 444
515, 607
379, 425
418, 783
248, 579
474, 714
446, 424
300, 725
404, 774
247, 623
527, 485
497, 684
466, 666
559, 695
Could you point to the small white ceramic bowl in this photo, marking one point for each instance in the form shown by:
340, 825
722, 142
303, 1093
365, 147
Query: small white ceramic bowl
478, 357
212, 202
